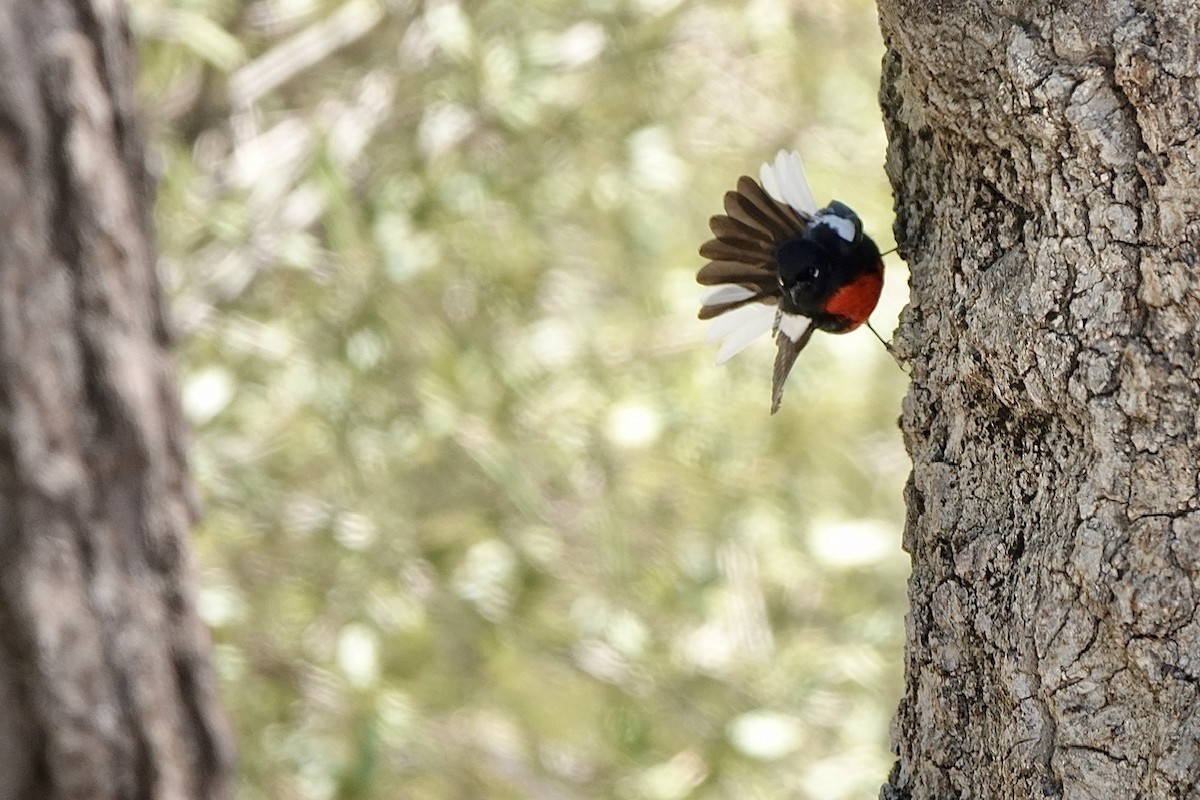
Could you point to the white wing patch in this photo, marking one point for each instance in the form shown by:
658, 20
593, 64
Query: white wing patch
786, 183
793, 326
840, 225
738, 327
725, 293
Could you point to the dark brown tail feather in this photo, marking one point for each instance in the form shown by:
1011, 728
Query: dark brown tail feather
746, 251
786, 219
766, 298
716, 272
724, 227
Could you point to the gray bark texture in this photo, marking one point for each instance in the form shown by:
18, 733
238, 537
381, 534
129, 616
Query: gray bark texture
106, 690
1046, 163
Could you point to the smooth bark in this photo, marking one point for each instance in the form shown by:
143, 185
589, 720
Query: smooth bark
106, 690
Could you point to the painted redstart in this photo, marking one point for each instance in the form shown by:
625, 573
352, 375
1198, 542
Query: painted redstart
780, 264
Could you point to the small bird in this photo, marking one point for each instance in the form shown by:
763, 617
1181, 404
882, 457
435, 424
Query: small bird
781, 264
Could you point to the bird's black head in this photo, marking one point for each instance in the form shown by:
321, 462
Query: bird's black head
831, 252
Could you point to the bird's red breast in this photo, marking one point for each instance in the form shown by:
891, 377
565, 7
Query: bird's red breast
855, 301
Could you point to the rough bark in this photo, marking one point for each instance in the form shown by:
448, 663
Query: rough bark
105, 685
1047, 169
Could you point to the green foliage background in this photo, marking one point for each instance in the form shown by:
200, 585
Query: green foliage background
483, 520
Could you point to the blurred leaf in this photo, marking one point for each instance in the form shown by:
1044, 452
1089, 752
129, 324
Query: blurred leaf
207, 39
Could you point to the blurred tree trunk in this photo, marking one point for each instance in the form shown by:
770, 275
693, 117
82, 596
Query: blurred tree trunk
106, 689
1047, 169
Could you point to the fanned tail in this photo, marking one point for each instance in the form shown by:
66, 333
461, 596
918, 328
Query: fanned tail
742, 266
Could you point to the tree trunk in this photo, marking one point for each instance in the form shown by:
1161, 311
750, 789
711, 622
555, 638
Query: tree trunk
106, 689
1047, 169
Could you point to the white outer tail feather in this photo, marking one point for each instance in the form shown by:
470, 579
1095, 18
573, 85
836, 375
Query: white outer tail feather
725, 293
786, 182
737, 328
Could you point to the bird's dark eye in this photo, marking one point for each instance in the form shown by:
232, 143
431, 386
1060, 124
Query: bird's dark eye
799, 261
